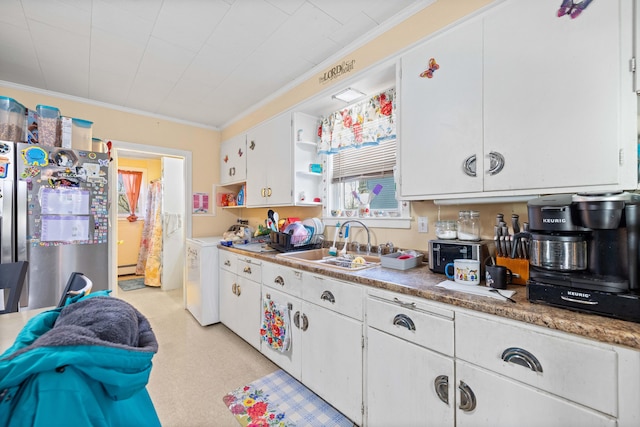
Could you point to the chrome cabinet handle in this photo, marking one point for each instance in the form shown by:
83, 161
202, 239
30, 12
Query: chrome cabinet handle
328, 296
247, 270
405, 304
227, 263
441, 385
496, 163
238, 292
296, 319
305, 322
469, 165
404, 321
279, 280
467, 398
232, 171
521, 357
234, 288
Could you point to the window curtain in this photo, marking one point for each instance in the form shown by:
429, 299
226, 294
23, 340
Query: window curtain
132, 181
362, 124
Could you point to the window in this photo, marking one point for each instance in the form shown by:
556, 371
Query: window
360, 146
123, 202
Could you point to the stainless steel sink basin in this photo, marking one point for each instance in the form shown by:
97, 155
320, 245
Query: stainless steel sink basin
322, 257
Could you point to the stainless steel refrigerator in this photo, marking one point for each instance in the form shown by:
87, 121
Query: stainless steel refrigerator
54, 214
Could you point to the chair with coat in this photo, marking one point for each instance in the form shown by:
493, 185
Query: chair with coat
12, 276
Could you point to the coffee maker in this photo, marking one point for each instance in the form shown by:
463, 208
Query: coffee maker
584, 254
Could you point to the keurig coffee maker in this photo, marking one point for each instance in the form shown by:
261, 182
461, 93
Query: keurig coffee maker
584, 253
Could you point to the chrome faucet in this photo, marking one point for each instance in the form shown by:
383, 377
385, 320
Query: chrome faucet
363, 226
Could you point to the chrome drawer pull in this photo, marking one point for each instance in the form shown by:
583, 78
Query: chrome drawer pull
441, 384
405, 321
279, 280
247, 270
328, 296
469, 166
521, 357
405, 304
467, 398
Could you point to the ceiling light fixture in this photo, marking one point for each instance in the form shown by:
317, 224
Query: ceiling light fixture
348, 95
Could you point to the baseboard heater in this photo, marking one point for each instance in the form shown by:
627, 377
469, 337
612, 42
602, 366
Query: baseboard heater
127, 269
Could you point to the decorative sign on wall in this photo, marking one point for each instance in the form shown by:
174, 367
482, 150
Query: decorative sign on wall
200, 203
337, 71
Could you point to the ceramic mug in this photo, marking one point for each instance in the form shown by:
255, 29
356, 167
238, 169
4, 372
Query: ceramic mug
465, 271
498, 276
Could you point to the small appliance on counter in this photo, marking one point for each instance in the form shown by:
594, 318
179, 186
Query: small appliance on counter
442, 252
584, 253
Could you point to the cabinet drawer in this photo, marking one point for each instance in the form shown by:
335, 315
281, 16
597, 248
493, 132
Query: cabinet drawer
250, 268
282, 278
563, 365
412, 320
341, 297
228, 261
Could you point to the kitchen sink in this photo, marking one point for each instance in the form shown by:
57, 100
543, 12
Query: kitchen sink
322, 257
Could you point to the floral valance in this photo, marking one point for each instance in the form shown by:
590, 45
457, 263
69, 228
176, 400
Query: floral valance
365, 123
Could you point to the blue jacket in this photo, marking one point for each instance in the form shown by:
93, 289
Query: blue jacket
86, 364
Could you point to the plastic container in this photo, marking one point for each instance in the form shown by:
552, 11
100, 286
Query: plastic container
12, 118
392, 261
48, 125
81, 134
447, 230
98, 146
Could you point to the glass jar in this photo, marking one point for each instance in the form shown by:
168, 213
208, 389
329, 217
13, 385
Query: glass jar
471, 230
446, 230
463, 219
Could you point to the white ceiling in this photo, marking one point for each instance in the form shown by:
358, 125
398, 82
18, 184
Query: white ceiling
206, 62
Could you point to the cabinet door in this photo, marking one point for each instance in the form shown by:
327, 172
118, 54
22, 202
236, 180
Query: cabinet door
395, 396
233, 160
499, 401
227, 290
332, 358
247, 313
288, 360
269, 163
556, 94
441, 117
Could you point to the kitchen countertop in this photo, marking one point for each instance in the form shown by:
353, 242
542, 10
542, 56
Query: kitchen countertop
421, 282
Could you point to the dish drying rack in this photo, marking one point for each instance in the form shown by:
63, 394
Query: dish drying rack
284, 242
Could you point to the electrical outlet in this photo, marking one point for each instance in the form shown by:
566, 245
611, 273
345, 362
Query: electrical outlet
423, 224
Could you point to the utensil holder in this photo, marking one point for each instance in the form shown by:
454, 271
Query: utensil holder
519, 266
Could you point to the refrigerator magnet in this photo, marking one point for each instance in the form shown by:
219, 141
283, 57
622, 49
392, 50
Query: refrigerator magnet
35, 156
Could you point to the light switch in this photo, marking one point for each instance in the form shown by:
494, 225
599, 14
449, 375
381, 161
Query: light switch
423, 224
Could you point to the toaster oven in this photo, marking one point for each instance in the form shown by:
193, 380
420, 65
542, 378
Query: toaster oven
442, 252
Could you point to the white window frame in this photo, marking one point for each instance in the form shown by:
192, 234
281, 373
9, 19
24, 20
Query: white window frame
142, 197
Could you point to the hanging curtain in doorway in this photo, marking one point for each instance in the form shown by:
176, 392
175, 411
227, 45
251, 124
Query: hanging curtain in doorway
150, 255
131, 181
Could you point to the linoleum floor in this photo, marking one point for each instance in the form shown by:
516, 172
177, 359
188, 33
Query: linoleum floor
195, 366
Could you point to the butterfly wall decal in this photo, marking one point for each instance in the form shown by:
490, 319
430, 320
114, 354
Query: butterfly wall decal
572, 8
433, 66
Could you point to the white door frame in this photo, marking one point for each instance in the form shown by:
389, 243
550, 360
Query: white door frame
113, 194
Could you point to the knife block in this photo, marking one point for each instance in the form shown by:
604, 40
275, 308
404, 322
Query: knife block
519, 266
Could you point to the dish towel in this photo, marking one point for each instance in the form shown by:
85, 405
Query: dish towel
475, 290
275, 325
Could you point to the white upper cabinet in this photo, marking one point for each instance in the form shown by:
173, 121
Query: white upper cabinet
233, 160
559, 104
269, 163
522, 102
441, 113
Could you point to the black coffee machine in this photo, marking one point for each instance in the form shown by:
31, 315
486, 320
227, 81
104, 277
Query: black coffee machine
584, 253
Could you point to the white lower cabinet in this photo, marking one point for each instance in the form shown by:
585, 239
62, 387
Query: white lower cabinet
409, 363
326, 335
488, 399
240, 300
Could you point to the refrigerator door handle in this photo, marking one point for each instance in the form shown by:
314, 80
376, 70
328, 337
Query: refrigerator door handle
6, 218
21, 236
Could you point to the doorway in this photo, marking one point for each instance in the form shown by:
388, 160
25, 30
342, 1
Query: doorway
176, 165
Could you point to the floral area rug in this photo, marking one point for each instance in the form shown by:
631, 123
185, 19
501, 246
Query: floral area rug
279, 400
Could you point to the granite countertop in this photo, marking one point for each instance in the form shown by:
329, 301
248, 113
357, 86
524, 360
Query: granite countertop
421, 282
